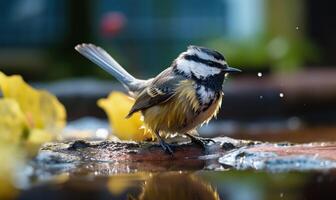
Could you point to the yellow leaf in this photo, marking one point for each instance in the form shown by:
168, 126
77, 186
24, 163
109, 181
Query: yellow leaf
117, 106
52, 112
41, 110
13, 87
25, 113
12, 159
35, 138
12, 121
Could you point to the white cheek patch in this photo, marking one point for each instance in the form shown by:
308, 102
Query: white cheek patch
205, 95
204, 56
183, 67
198, 69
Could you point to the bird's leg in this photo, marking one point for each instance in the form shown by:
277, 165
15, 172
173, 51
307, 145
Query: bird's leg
165, 146
199, 140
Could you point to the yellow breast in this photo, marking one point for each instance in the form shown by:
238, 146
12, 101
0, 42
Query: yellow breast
179, 114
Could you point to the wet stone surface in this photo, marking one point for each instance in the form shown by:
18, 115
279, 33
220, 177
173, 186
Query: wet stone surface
113, 157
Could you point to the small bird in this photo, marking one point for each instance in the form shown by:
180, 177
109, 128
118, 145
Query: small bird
180, 99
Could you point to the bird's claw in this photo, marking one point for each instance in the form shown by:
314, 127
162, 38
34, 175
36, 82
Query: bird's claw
166, 147
203, 142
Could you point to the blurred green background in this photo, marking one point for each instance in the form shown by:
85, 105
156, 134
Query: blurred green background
37, 36
286, 49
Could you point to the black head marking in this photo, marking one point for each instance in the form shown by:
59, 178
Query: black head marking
210, 52
213, 82
203, 61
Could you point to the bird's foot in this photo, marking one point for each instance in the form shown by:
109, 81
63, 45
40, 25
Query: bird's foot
202, 142
166, 147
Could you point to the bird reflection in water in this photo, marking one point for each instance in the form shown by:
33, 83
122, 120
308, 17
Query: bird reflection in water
175, 185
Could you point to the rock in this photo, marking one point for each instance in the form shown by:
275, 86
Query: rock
106, 151
282, 157
109, 157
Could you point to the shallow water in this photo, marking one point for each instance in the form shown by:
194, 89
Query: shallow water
267, 171
207, 185
235, 175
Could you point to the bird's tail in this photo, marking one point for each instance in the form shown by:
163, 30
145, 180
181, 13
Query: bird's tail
104, 60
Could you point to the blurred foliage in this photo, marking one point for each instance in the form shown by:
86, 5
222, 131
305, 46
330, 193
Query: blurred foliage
12, 159
28, 118
117, 105
279, 53
35, 111
12, 121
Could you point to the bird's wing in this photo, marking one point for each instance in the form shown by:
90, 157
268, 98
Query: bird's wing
159, 91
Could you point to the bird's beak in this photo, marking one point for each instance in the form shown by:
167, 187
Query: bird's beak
231, 69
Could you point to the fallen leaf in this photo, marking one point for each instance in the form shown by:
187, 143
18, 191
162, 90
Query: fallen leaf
117, 105
38, 110
28, 118
12, 122
12, 159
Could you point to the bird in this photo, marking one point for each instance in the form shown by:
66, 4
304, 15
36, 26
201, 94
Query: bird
180, 99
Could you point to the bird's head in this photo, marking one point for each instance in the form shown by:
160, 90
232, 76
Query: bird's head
202, 63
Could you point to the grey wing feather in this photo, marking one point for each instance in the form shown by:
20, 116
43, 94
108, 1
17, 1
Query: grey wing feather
159, 91
104, 60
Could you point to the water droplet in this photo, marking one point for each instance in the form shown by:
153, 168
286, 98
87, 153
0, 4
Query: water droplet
281, 95
297, 28
260, 74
